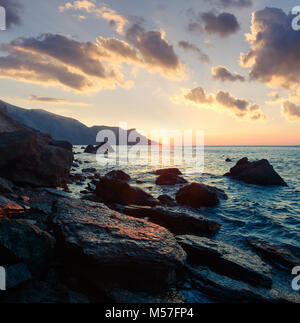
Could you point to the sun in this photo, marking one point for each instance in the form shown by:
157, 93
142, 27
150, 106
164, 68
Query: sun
164, 141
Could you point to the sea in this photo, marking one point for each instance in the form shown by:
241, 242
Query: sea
268, 213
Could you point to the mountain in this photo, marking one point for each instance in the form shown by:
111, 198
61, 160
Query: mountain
69, 129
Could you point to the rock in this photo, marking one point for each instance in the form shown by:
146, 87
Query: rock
118, 175
75, 165
227, 260
9, 208
16, 275
23, 242
89, 170
275, 253
103, 245
197, 195
114, 191
6, 186
176, 222
166, 200
174, 171
37, 292
226, 289
30, 157
228, 160
101, 149
170, 179
257, 172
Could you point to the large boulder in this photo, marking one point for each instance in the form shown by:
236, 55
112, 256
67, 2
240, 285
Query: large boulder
176, 222
227, 260
30, 157
115, 191
258, 172
22, 242
197, 195
118, 175
115, 247
174, 171
170, 179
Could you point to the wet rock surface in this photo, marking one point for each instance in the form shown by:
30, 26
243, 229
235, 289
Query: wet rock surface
118, 175
170, 179
257, 172
165, 171
99, 239
227, 260
115, 191
275, 253
176, 222
9, 208
23, 242
198, 195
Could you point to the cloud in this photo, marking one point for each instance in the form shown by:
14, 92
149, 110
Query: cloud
13, 10
146, 49
274, 98
204, 58
199, 96
223, 24
224, 101
232, 3
274, 55
221, 73
52, 59
43, 99
118, 22
291, 111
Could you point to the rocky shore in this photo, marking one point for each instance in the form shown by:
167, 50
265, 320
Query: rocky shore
119, 243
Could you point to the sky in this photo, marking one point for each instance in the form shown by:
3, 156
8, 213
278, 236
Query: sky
230, 68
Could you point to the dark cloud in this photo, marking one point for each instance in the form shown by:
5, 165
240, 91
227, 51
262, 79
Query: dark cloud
204, 58
222, 73
199, 95
232, 3
36, 98
291, 111
239, 106
225, 101
53, 59
275, 49
13, 10
223, 24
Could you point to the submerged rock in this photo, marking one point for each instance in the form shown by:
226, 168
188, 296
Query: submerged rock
257, 172
9, 208
170, 179
114, 191
197, 195
111, 246
118, 175
174, 171
166, 200
23, 242
275, 253
226, 289
101, 149
227, 260
176, 222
